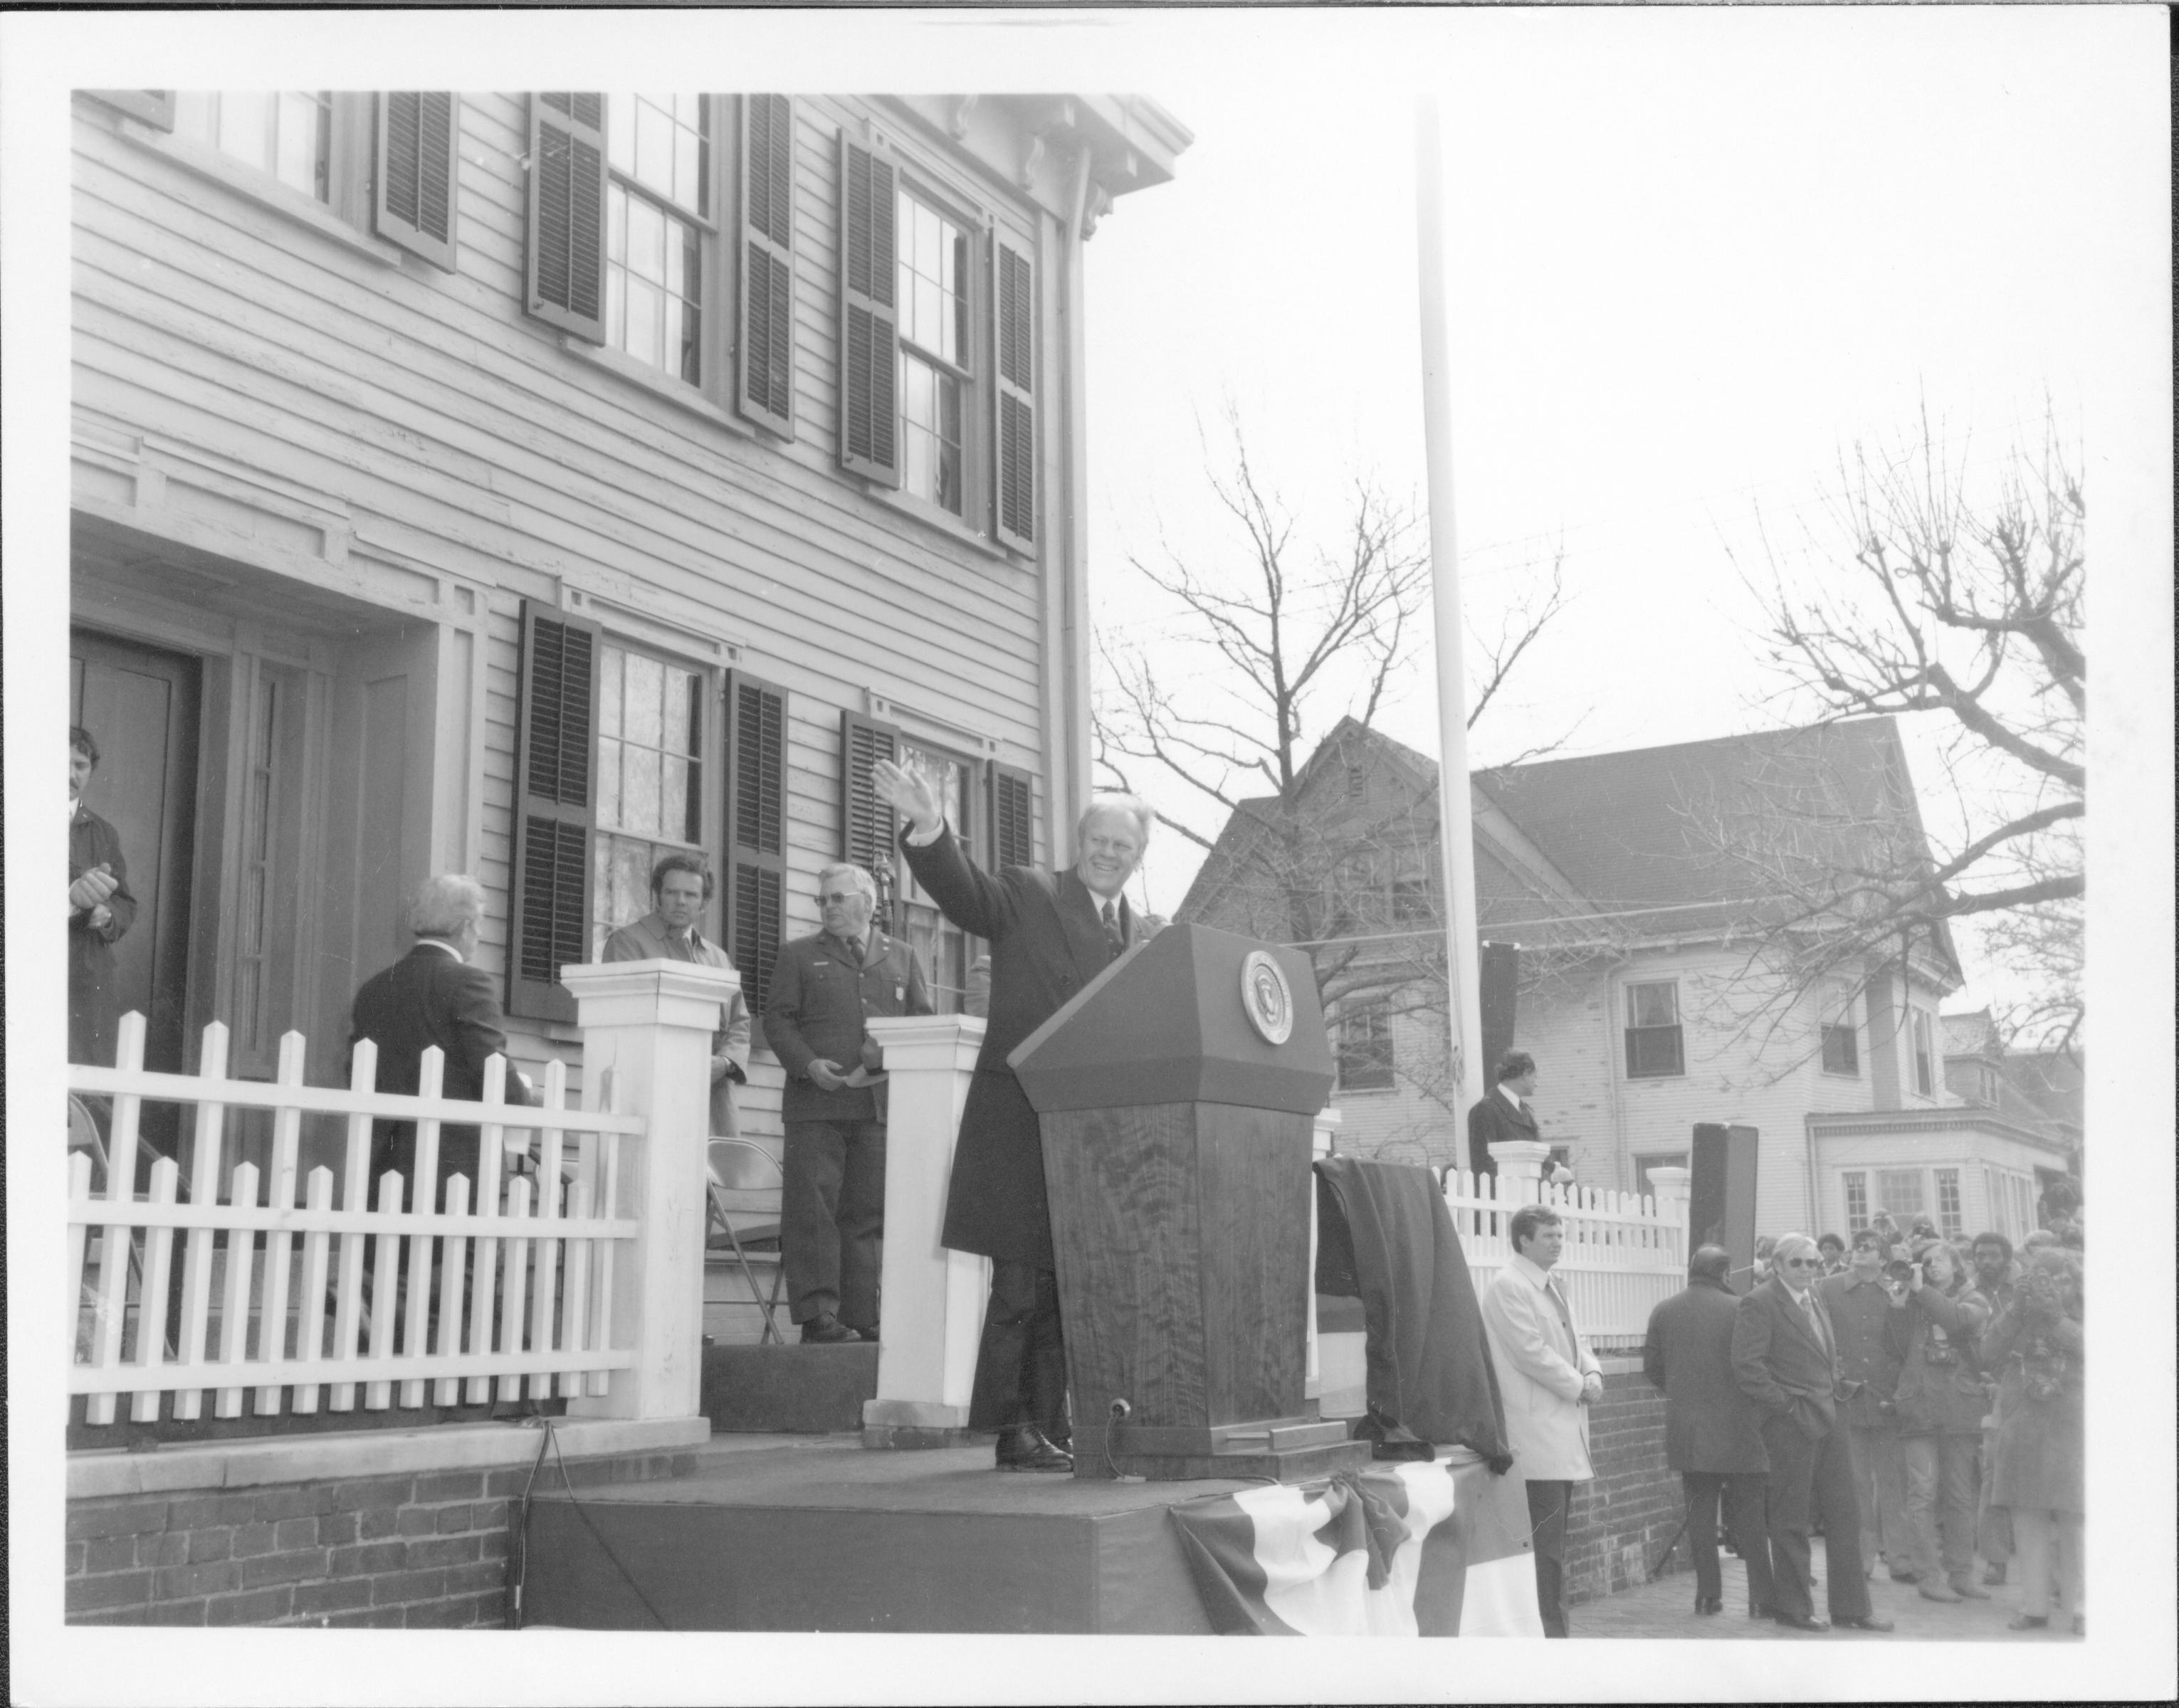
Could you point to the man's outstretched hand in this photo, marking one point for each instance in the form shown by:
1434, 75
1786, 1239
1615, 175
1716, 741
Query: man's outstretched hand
910, 794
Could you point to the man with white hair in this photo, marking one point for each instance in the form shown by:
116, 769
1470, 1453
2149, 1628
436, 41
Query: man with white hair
1785, 1359
433, 995
1051, 933
824, 989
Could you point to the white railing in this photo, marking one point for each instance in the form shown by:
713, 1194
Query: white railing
305, 1303
1623, 1254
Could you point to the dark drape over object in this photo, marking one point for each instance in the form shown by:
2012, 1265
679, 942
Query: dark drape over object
1385, 1235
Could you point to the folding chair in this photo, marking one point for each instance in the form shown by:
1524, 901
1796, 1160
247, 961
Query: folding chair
744, 1193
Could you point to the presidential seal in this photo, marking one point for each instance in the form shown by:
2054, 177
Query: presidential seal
1266, 997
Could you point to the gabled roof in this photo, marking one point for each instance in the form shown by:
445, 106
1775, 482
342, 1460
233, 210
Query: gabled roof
1732, 832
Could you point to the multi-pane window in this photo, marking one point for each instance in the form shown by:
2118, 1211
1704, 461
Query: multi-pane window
1900, 1191
944, 950
658, 157
649, 782
1857, 1200
1925, 1078
1654, 1049
287, 133
1365, 1048
1949, 1218
1841, 1047
935, 350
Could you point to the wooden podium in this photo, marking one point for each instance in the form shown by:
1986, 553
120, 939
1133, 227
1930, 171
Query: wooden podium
1177, 1093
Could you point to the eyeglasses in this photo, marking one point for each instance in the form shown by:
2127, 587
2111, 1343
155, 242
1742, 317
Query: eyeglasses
829, 897
1801, 1262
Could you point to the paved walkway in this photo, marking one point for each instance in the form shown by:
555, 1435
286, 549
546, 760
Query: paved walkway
1665, 1608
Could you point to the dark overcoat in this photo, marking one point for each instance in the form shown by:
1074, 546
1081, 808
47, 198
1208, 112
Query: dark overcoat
94, 999
1047, 942
1780, 1362
1494, 1120
1709, 1424
821, 994
2042, 1434
426, 997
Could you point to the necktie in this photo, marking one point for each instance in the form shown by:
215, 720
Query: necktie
1115, 942
1816, 1320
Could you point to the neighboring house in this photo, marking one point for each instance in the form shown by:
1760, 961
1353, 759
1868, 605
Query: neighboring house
1646, 992
2040, 1089
528, 485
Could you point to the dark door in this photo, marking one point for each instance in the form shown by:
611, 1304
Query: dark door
140, 706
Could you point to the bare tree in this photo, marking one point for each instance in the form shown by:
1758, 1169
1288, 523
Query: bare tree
1928, 599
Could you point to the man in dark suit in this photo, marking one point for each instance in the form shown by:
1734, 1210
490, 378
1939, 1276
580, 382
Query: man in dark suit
1785, 1357
101, 909
433, 995
1503, 1112
824, 989
1050, 933
1712, 1435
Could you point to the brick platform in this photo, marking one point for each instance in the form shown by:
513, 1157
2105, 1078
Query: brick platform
1623, 1519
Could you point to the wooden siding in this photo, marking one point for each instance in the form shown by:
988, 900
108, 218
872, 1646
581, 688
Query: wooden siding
399, 396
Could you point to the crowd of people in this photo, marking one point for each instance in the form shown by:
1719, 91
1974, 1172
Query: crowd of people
1916, 1400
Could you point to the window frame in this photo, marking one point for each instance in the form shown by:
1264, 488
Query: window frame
1853, 1183
1952, 1220
1636, 1068
712, 237
1376, 1017
977, 390
1921, 1047
1903, 1214
976, 836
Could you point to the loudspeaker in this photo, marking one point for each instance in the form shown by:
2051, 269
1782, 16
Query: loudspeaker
1498, 975
1721, 1196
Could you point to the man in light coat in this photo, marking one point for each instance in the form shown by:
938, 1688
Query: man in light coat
1548, 1378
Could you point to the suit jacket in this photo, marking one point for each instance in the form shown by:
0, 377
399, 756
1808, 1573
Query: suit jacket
94, 1000
1859, 1310
1493, 1121
1709, 1424
1047, 942
425, 999
650, 939
1541, 1361
1780, 1361
822, 993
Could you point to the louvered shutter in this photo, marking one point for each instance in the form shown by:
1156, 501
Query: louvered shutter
1013, 830
152, 106
756, 830
868, 826
413, 201
566, 277
555, 766
767, 304
869, 422
1013, 429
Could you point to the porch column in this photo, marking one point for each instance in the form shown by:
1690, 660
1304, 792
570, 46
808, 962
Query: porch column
933, 1297
1669, 1186
650, 1021
1522, 1166
1324, 1139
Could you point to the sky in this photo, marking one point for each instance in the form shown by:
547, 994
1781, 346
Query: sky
1693, 261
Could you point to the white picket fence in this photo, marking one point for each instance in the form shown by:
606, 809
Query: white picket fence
281, 1297
1623, 1253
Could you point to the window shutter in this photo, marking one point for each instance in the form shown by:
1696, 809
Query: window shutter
554, 792
869, 423
565, 284
152, 106
868, 826
1013, 436
1013, 831
767, 304
412, 188
756, 830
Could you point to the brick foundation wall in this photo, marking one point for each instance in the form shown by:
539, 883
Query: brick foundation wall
1622, 1519
425, 1551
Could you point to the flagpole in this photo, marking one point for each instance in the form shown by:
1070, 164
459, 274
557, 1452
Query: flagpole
1456, 822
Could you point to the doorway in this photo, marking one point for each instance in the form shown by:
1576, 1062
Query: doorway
141, 706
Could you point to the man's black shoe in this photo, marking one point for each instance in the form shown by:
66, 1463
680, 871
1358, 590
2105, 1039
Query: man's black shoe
869, 1333
1709, 1604
1756, 1610
826, 1330
1800, 1622
1864, 1622
1026, 1447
